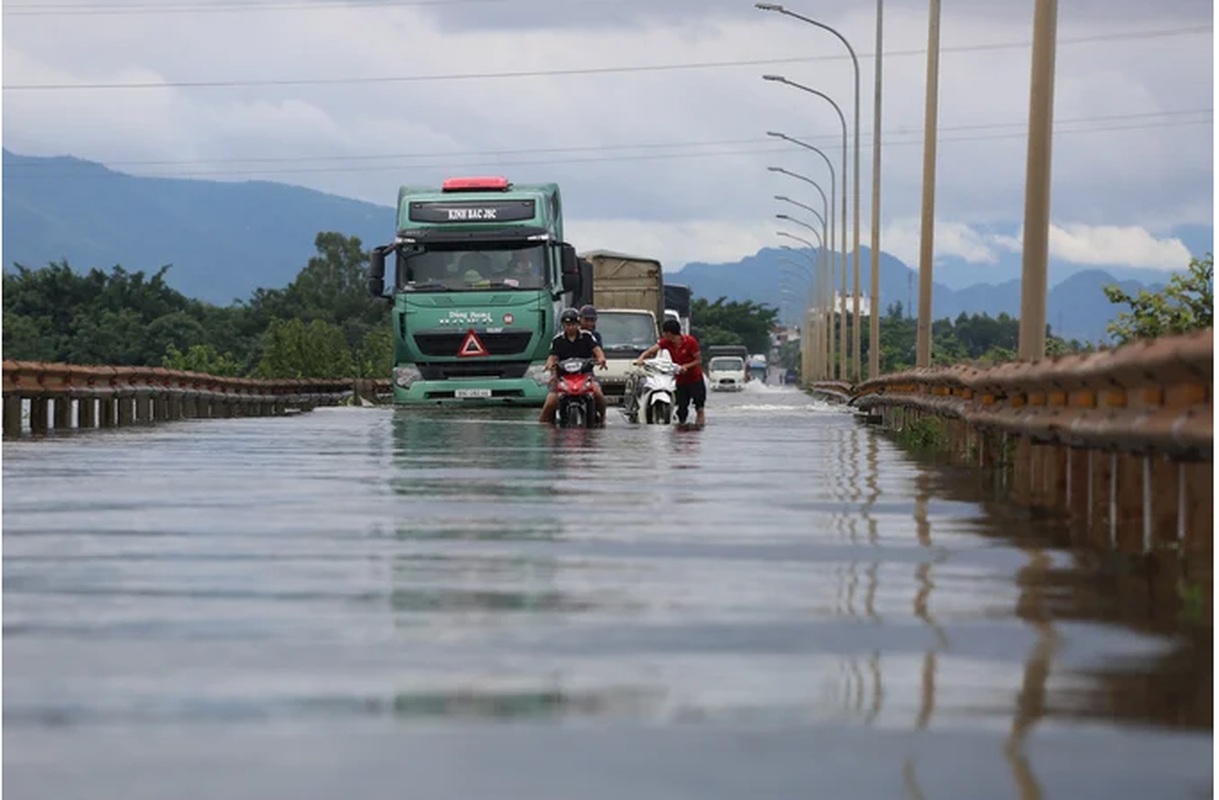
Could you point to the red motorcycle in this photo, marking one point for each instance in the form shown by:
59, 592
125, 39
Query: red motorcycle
574, 385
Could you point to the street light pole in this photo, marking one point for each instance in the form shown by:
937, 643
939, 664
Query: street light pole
805, 331
825, 339
927, 238
842, 326
874, 317
815, 357
827, 204
855, 61
1037, 182
810, 355
827, 318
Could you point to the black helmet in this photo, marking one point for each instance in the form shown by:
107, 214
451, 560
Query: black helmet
569, 315
588, 312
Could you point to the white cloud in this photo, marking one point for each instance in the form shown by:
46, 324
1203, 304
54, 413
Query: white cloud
1109, 245
673, 244
1073, 243
902, 238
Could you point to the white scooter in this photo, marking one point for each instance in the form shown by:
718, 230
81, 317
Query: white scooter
651, 391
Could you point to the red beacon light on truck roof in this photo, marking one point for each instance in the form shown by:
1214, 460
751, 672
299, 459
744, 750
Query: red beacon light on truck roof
491, 182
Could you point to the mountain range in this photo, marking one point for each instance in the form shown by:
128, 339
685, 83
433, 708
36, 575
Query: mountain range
1076, 307
226, 239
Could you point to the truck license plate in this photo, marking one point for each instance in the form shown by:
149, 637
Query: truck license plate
472, 393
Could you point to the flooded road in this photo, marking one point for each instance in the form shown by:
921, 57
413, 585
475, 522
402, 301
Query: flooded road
415, 603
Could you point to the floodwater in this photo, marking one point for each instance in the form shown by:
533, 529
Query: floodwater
417, 603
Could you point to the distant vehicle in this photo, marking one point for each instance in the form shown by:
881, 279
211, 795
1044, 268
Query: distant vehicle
758, 367
726, 374
677, 304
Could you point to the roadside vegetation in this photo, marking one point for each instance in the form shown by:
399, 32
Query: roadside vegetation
323, 324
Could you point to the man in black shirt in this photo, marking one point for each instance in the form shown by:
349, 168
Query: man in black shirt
572, 342
588, 321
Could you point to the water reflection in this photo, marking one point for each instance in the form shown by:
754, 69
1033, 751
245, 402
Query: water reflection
1169, 685
781, 571
485, 703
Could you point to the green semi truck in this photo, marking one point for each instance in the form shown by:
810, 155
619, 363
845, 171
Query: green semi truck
480, 275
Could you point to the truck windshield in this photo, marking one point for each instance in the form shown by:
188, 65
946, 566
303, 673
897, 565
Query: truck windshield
723, 364
453, 269
627, 331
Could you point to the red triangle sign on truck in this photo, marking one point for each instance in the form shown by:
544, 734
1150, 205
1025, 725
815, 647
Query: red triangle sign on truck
471, 346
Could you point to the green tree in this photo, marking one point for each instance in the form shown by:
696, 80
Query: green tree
201, 358
737, 322
1185, 304
332, 287
374, 358
292, 349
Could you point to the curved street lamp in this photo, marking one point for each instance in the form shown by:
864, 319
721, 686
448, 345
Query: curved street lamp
843, 321
829, 204
855, 63
814, 341
826, 339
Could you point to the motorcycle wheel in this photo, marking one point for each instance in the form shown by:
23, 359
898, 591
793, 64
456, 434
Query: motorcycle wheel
662, 413
576, 415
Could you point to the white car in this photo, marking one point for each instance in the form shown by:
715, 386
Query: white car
726, 374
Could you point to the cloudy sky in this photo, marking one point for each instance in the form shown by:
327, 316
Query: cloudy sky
651, 114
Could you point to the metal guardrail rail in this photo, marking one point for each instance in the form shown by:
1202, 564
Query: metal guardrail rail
1147, 396
1123, 438
88, 396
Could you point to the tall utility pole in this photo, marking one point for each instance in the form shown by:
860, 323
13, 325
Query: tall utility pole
927, 238
874, 317
1037, 182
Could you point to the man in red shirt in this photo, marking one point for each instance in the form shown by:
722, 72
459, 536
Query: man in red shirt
683, 349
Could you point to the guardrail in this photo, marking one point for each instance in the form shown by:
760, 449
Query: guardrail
63, 396
1122, 438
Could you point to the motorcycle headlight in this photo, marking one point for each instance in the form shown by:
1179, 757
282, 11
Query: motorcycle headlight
405, 376
538, 374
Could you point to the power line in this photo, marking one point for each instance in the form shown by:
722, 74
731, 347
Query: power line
86, 10
622, 69
499, 164
865, 137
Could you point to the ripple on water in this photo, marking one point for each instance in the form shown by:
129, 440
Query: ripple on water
782, 568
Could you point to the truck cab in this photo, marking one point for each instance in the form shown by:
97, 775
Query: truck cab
480, 275
726, 373
625, 334
758, 366
725, 367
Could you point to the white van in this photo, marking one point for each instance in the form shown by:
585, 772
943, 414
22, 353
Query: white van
726, 374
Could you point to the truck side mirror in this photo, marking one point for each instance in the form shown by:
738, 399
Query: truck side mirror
570, 268
586, 281
376, 272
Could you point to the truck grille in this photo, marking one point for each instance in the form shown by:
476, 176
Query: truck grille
472, 368
446, 344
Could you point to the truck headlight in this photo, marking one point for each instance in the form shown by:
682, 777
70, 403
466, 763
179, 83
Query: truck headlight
538, 373
405, 376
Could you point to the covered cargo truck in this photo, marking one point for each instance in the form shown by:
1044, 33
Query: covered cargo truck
628, 292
